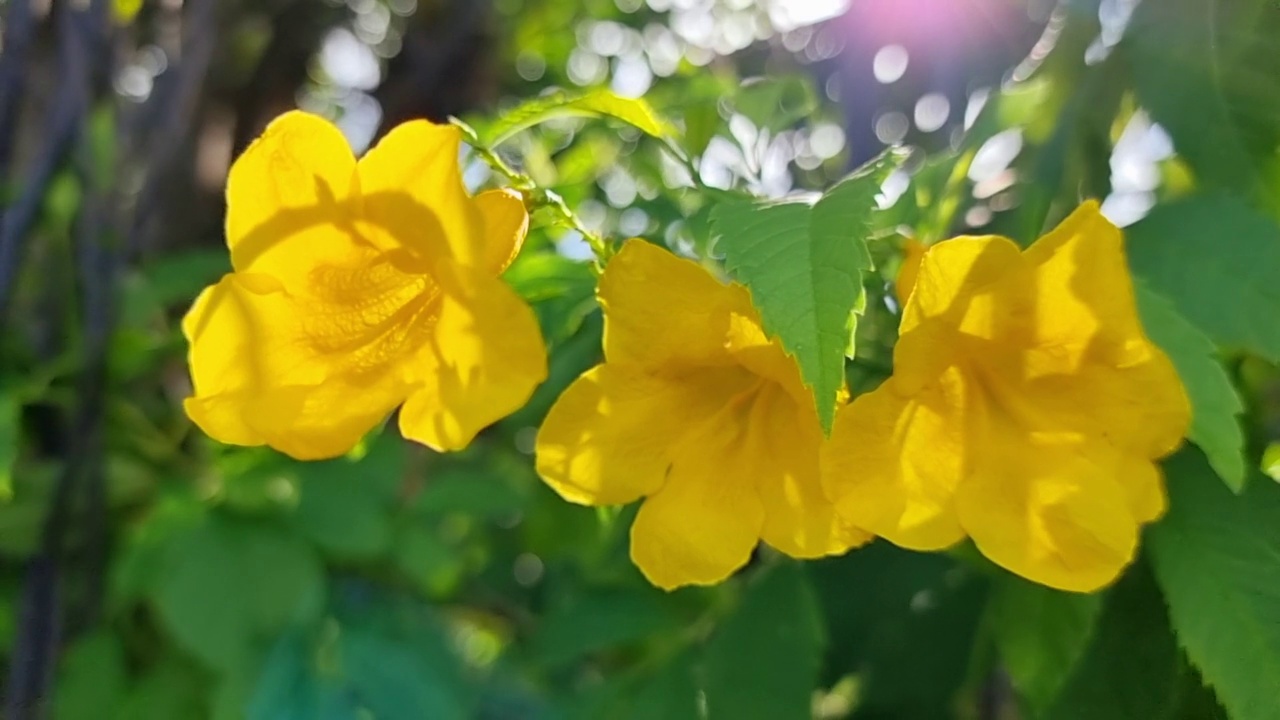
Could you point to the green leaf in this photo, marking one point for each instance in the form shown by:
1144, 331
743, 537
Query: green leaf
92, 678
842, 220
1209, 74
224, 582
804, 268
397, 678
597, 103
1217, 558
1195, 700
1131, 668
602, 619
562, 292
671, 694
432, 565
179, 277
764, 658
337, 511
1040, 634
288, 688
701, 120
776, 103
395, 665
1217, 259
1215, 404
906, 623
482, 490
173, 688
10, 441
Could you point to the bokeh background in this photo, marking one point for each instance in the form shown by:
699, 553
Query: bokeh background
147, 572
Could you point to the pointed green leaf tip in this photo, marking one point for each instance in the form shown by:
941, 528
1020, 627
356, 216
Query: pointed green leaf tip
597, 103
804, 265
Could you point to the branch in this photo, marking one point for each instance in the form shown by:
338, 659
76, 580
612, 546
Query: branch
76, 35
81, 35
19, 30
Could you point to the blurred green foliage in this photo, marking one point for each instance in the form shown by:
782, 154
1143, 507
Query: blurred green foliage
400, 584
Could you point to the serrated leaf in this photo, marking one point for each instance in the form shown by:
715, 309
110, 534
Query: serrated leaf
1217, 259
764, 658
1217, 558
1040, 633
597, 103
1130, 669
1215, 404
804, 268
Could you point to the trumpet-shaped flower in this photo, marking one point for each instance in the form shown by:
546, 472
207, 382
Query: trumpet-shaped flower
359, 287
1026, 410
696, 410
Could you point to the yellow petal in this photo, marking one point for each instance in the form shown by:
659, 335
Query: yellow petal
310, 422
752, 349
485, 358
610, 436
292, 192
912, 255
705, 521
1142, 483
506, 222
954, 296
1087, 327
799, 518
262, 375
413, 192
893, 462
955, 272
665, 313
1048, 508
1084, 291
1076, 299
1141, 409
1128, 410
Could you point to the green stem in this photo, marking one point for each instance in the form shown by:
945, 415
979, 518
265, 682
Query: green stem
538, 198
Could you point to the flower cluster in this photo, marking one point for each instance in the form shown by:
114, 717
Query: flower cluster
1026, 410
699, 412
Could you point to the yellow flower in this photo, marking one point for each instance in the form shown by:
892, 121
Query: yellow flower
358, 286
1025, 410
912, 254
699, 412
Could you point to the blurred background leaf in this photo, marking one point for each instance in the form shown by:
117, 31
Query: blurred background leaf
179, 579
